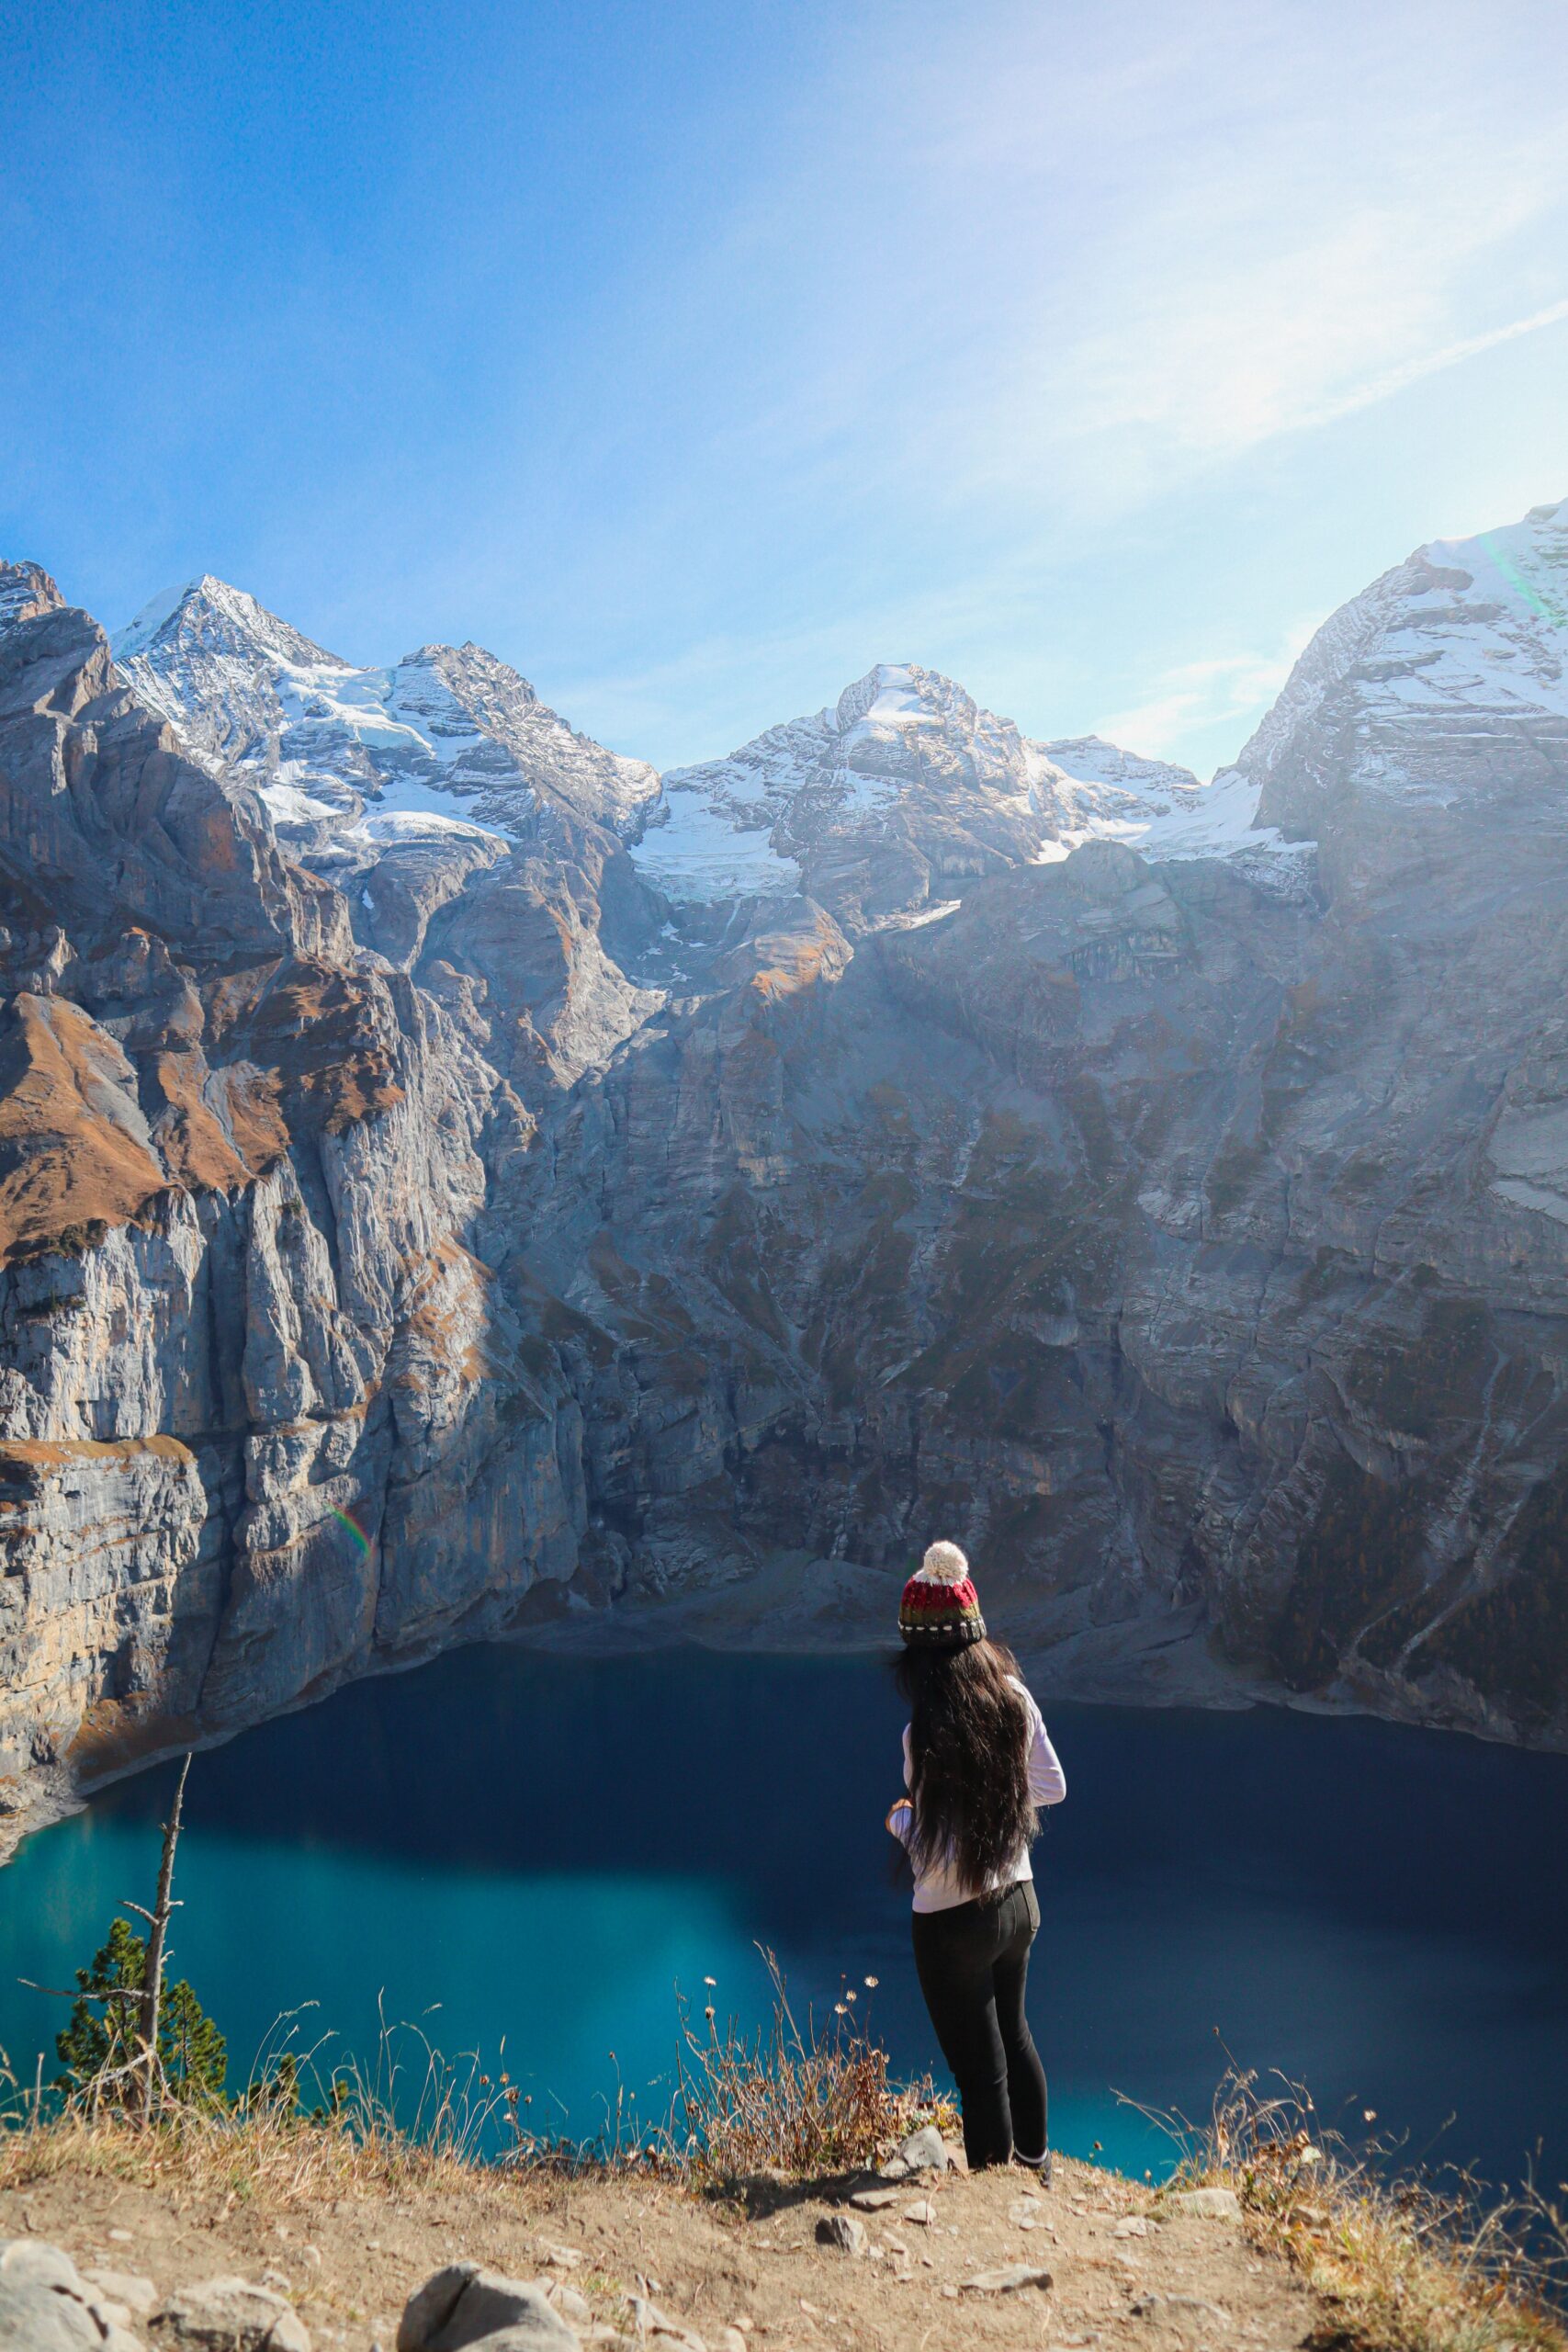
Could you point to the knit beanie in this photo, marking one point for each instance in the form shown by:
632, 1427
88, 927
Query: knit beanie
941, 1608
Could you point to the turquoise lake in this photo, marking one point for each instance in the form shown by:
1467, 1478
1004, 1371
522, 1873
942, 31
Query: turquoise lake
508, 1843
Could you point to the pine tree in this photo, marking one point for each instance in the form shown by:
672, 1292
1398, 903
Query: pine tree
93, 2043
193, 2053
105, 2028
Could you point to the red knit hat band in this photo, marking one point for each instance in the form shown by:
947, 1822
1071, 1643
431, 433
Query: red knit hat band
940, 1607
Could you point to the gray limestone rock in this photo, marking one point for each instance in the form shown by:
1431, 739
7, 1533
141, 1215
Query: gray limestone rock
655, 2327
46, 2305
132, 2288
923, 2151
1207, 2204
564, 2299
228, 2315
465, 2305
1007, 2280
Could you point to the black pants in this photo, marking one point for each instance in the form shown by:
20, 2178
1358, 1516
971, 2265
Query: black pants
972, 1964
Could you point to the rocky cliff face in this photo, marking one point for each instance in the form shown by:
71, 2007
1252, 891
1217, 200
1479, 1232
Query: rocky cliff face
250, 1362
448, 1183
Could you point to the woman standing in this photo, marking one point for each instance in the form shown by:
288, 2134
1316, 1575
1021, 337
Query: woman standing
976, 1764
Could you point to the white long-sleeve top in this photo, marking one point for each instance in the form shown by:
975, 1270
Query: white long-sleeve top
937, 1887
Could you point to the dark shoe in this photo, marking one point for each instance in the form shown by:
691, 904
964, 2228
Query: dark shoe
1039, 2165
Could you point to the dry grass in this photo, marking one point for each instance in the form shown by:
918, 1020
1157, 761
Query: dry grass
806, 2102
299, 2134
278, 2166
791, 2101
1406, 2264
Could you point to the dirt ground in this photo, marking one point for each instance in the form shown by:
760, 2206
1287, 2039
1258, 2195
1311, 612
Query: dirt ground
1119, 2274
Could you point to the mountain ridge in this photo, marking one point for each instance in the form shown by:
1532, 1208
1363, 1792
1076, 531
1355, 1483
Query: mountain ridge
644, 1209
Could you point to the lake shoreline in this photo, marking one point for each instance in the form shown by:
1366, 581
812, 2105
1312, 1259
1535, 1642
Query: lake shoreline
1153, 1663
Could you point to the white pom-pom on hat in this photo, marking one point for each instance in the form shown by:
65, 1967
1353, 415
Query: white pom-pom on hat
943, 1564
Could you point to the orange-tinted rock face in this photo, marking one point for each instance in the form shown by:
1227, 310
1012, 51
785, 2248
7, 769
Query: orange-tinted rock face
196, 1142
75, 1152
91, 1134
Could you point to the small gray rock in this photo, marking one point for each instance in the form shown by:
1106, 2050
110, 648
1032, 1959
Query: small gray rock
46, 2306
229, 2316
1210, 2204
464, 2305
651, 2324
127, 2287
1149, 2305
875, 2200
923, 2151
843, 2231
523, 2336
1008, 2281
429, 2307
30, 2262
40, 2320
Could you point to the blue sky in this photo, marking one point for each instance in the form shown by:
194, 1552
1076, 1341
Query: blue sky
695, 357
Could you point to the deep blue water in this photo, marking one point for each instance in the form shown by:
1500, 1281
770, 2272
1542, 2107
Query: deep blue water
546, 1847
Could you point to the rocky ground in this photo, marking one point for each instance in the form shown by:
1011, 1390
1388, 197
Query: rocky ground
1105, 2262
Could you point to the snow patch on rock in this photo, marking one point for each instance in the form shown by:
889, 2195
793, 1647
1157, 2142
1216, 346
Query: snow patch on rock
448, 730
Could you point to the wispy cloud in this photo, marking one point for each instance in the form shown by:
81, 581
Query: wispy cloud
1054, 345
1006, 287
1351, 223
1432, 363
1062, 259
1228, 692
1002, 287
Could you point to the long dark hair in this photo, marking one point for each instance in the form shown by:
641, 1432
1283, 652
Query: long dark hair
968, 1754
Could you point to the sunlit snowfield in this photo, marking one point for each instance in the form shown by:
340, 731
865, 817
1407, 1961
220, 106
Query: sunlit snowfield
510, 1843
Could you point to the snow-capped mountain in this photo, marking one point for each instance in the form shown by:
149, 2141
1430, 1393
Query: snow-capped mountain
877, 803
1162, 1187
448, 734
875, 806
1447, 675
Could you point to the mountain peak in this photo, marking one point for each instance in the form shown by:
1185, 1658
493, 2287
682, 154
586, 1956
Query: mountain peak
895, 695
474, 666
1465, 641
447, 733
26, 590
1524, 564
210, 616
1089, 759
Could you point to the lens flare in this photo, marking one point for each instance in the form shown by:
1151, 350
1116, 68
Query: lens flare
354, 1528
1542, 605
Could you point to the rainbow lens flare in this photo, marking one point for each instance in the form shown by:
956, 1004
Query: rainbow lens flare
1544, 607
354, 1529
